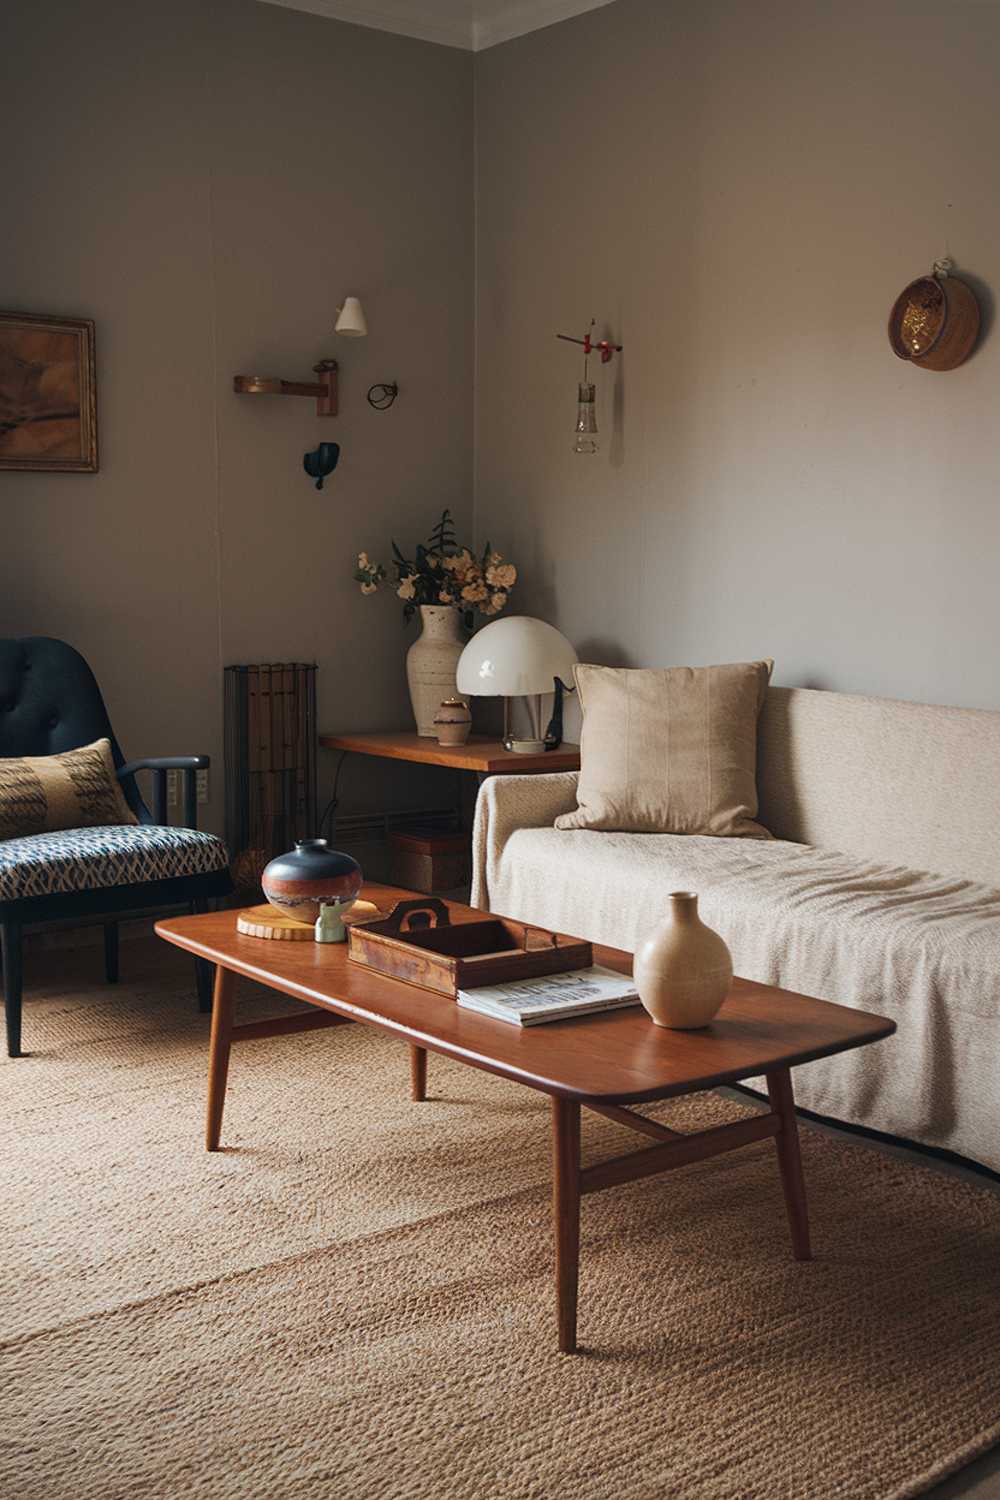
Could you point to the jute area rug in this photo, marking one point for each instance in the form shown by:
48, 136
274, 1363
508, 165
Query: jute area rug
354, 1300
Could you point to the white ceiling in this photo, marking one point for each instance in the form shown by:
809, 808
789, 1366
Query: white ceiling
473, 24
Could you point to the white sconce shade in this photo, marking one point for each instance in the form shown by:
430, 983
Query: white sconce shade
351, 321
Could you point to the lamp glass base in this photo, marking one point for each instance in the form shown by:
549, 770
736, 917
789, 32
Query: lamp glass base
524, 747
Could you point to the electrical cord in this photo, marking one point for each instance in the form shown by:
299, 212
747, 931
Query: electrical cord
330, 810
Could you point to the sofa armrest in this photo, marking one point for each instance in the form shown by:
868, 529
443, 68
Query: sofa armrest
507, 803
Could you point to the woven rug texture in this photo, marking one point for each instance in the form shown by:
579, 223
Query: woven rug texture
354, 1299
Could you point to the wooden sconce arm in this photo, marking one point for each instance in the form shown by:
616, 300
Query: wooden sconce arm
324, 389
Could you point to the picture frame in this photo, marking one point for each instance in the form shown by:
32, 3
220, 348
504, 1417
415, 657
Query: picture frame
48, 394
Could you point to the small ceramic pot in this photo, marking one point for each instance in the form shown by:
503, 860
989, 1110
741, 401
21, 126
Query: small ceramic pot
683, 970
453, 722
299, 882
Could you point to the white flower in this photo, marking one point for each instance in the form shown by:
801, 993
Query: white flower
364, 562
406, 589
369, 588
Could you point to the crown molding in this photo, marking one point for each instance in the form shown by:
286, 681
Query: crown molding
450, 23
502, 20
426, 22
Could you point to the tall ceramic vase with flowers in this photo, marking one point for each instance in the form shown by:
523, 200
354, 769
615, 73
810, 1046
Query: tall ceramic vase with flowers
449, 584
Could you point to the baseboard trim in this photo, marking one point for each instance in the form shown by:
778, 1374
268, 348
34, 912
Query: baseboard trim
935, 1153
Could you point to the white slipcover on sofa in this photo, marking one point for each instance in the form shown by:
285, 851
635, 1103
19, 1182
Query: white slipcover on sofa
880, 890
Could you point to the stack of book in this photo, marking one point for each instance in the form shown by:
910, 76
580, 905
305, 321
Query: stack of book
553, 997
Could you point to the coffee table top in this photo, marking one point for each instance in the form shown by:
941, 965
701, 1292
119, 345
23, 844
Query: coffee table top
615, 1056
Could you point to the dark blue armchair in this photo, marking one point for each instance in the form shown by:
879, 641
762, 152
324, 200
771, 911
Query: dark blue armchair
49, 703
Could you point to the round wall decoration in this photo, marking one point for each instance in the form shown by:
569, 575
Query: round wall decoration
934, 321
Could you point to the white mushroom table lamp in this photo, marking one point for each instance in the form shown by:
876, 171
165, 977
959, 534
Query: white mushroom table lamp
520, 657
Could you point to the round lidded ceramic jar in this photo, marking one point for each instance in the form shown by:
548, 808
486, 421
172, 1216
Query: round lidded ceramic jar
298, 883
453, 722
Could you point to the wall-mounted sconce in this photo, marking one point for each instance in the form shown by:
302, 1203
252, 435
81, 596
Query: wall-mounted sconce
324, 389
351, 320
586, 411
352, 323
321, 462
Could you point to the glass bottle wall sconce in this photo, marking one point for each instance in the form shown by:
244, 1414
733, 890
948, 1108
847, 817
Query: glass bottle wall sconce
586, 410
586, 420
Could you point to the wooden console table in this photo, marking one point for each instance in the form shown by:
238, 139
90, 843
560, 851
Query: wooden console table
481, 755
484, 756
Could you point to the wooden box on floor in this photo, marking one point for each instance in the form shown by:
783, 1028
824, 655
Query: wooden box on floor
430, 861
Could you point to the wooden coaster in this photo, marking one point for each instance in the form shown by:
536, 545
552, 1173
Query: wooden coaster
267, 922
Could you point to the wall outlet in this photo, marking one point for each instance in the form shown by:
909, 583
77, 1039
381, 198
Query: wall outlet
175, 787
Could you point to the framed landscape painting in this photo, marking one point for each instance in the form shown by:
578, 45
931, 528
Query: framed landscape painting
48, 393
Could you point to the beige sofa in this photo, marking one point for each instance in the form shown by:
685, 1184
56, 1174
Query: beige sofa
881, 889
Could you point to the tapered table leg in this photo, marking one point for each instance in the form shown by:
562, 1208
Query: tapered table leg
566, 1214
779, 1089
418, 1073
218, 1053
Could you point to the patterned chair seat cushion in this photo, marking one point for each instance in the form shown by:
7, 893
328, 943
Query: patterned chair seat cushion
83, 859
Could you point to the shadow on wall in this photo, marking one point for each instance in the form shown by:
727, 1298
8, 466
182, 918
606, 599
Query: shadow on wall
616, 447
605, 653
987, 306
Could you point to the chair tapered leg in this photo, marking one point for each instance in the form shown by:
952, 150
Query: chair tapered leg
566, 1214
779, 1091
10, 933
202, 968
111, 952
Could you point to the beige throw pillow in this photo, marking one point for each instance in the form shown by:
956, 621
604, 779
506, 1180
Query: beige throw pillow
78, 789
670, 751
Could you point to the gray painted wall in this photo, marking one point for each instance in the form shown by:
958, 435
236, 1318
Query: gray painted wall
738, 193
207, 181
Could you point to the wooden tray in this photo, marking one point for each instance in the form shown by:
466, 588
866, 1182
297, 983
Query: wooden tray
432, 952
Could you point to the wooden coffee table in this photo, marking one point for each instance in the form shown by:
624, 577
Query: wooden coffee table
603, 1063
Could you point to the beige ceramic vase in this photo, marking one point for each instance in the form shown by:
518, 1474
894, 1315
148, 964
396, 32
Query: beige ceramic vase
432, 661
683, 970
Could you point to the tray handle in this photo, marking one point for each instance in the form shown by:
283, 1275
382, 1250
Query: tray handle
552, 937
426, 912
